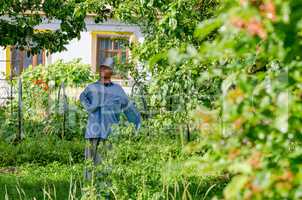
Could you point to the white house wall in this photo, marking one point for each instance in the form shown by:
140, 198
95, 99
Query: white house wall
75, 49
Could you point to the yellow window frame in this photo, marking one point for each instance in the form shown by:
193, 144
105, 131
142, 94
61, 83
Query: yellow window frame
8, 62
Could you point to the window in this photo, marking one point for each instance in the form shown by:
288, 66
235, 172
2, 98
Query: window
20, 60
112, 47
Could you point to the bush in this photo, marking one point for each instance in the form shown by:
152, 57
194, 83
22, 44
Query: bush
72, 73
45, 109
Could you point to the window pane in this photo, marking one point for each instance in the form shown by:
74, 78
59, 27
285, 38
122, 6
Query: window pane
40, 57
15, 60
102, 44
109, 44
101, 57
106, 44
27, 60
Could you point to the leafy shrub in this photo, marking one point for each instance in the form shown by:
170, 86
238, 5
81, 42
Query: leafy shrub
42, 84
72, 73
45, 109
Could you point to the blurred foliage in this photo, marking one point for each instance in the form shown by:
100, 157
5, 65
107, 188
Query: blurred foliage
239, 63
257, 51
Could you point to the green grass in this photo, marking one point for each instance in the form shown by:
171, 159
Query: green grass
139, 166
54, 181
41, 150
46, 167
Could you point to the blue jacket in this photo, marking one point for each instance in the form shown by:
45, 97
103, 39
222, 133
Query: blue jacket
104, 105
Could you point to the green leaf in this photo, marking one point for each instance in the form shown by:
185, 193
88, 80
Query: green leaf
206, 27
